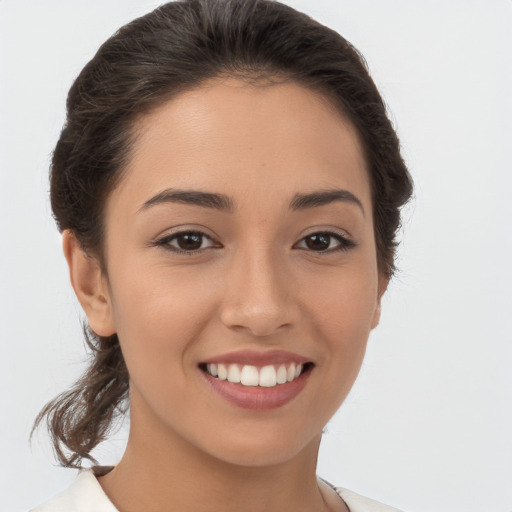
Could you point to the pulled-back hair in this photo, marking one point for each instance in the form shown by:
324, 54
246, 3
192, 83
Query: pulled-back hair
172, 49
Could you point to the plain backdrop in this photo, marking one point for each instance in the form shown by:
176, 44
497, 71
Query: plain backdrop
428, 425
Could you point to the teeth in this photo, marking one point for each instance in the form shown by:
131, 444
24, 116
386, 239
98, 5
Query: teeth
222, 372
248, 375
268, 377
234, 374
291, 372
282, 375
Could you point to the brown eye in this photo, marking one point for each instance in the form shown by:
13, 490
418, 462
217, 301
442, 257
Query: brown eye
325, 242
186, 241
189, 241
318, 242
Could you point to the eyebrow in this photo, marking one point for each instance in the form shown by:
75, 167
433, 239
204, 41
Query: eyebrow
223, 202
322, 198
194, 197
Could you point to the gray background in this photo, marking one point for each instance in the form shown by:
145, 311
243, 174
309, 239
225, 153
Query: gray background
428, 424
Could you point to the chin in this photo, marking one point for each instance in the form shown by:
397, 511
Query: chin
265, 449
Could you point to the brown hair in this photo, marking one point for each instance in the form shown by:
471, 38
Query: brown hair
174, 48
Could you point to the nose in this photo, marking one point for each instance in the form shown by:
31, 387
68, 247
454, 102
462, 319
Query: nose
260, 296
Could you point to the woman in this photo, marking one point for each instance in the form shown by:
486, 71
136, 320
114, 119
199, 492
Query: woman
228, 187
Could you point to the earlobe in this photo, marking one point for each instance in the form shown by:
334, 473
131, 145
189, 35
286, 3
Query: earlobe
90, 285
383, 284
376, 315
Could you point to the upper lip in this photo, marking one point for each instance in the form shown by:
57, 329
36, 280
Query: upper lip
255, 358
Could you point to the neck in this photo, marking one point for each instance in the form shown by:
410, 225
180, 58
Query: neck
162, 471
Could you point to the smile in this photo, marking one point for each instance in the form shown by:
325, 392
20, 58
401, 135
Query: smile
267, 376
257, 380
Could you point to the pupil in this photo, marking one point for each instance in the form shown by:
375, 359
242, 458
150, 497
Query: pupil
318, 242
190, 241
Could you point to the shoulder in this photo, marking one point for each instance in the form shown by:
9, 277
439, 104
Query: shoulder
357, 503
83, 495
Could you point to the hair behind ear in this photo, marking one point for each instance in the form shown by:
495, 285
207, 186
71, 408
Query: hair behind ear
82, 417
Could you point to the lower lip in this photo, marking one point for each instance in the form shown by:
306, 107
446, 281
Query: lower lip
258, 397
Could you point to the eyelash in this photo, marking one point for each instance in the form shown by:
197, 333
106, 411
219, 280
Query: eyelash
344, 243
165, 242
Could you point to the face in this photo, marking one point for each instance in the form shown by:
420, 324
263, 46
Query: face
240, 245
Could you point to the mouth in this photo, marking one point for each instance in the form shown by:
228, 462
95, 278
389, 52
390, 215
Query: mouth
267, 376
257, 381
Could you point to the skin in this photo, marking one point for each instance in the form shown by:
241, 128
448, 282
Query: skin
255, 285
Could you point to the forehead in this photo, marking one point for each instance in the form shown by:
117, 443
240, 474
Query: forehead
237, 138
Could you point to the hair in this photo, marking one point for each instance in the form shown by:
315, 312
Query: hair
174, 48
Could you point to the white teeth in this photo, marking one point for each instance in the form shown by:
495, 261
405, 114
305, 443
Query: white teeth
222, 372
268, 377
249, 376
234, 373
291, 372
282, 375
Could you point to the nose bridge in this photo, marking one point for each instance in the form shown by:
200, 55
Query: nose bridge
258, 296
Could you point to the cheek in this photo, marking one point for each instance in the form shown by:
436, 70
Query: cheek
158, 315
343, 310
345, 301
155, 298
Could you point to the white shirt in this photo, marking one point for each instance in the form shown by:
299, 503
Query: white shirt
86, 495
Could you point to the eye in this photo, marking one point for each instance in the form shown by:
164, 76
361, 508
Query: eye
186, 242
325, 242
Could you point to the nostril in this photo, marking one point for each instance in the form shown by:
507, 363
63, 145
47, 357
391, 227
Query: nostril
258, 312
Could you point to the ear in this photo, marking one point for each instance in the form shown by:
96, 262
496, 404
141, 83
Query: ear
382, 286
90, 285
